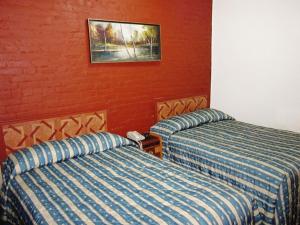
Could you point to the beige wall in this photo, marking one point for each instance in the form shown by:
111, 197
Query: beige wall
256, 61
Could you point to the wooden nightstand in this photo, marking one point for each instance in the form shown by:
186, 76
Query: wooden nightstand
152, 145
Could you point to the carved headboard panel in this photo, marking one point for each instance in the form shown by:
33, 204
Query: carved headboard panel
175, 107
20, 135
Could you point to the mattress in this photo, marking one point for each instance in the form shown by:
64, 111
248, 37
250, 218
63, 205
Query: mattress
259, 161
104, 179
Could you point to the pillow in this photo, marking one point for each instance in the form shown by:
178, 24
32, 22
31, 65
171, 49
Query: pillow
55, 151
166, 128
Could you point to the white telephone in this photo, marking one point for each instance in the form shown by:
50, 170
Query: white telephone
134, 135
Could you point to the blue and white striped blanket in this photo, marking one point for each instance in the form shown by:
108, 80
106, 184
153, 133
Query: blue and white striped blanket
262, 162
103, 179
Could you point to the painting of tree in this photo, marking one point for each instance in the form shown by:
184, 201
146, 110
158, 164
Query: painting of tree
123, 42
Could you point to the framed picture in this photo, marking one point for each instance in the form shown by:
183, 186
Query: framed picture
112, 41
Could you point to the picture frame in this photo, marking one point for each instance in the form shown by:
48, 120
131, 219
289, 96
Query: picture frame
118, 41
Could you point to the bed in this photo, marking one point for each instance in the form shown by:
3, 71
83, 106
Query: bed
103, 178
259, 161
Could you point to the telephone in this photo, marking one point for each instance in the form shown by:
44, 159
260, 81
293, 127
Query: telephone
134, 135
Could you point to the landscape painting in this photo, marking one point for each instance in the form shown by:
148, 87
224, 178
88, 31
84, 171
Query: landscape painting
123, 42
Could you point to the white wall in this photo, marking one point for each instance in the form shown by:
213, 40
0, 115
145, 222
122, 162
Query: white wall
256, 61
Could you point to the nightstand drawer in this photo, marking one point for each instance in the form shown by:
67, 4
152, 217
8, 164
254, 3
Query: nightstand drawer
150, 141
152, 145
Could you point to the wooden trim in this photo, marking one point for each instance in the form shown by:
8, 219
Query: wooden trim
21, 135
167, 109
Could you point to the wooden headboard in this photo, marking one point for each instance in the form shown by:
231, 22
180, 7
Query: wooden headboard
21, 135
175, 107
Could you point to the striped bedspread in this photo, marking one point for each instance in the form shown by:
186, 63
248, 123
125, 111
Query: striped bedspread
262, 162
103, 179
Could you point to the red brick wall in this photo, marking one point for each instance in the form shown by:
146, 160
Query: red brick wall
45, 69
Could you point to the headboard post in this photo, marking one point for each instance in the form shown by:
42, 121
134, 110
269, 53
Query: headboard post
166, 109
2, 145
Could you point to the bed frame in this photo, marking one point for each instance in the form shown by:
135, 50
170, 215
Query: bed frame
21, 135
175, 107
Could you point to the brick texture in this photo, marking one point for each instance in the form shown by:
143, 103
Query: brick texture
45, 69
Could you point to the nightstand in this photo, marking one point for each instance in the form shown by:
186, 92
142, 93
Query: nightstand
152, 145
